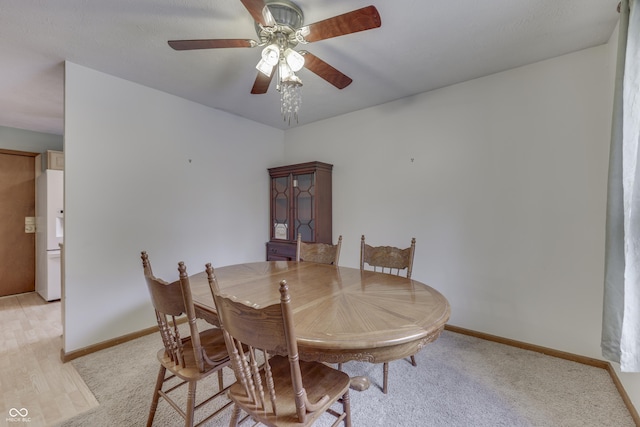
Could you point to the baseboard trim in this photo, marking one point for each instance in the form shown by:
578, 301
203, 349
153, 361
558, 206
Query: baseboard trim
66, 357
623, 394
603, 364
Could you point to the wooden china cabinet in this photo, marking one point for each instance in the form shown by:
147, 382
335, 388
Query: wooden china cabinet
300, 202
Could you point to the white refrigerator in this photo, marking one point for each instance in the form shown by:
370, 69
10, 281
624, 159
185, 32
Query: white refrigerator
49, 232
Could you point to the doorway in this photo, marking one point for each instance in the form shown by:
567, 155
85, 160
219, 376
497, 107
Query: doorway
17, 202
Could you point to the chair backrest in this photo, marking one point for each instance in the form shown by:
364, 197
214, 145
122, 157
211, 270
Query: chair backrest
323, 253
267, 329
171, 300
387, 259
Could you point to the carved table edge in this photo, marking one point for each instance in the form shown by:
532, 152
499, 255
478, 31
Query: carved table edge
376, 355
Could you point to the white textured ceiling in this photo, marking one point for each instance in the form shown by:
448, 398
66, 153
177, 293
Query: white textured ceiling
422, 45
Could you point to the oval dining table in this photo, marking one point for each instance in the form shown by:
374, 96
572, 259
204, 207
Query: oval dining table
340, 313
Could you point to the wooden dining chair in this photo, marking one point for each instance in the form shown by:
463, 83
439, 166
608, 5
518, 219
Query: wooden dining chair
297, 392
189, 358
390, 260
323, 253
387, 259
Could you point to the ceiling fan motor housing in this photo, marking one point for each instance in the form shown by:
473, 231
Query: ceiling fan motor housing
287, 15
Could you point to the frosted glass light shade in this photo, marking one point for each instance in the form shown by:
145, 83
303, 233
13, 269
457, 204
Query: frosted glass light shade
264, 68
271, 54
294, 59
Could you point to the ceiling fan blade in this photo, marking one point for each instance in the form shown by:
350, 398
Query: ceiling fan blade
259, 12
347, 23
324, 70
211, 43
261, 85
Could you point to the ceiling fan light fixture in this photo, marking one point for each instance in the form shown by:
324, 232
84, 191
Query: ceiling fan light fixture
294, 59
285, 71
270, 58
264, 68
271, 54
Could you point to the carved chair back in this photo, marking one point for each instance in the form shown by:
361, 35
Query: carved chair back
387, 259
171, 300
323, 253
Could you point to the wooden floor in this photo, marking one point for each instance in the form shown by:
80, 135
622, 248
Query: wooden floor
32, 377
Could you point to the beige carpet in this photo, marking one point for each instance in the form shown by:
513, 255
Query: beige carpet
459, 381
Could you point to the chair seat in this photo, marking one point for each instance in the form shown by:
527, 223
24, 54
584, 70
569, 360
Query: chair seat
319, 380
212, 342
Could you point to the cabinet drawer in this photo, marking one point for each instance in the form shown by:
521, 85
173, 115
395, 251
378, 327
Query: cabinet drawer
281, 251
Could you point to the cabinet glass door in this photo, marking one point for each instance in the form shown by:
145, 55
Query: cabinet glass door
304, 206
280, 206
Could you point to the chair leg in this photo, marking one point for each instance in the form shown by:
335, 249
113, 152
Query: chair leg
191, 400
220, 382
235, 415
346, 408
339, 366
385, 371
156, 395
413, 361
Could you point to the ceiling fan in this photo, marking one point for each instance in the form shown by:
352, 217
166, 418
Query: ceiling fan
279, 26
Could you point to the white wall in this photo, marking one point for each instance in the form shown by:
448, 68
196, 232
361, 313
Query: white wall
149, 171
502, 180
27, 140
